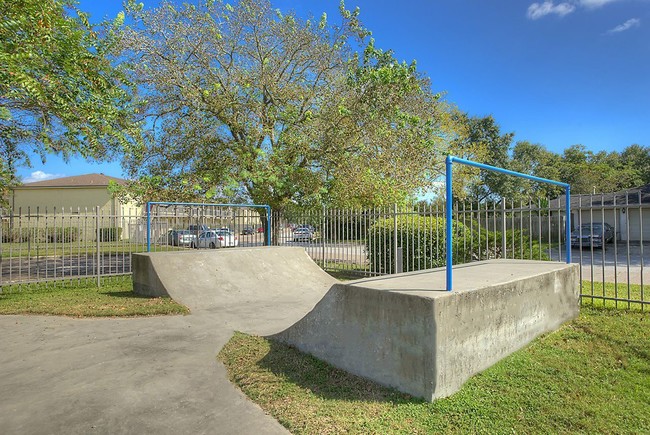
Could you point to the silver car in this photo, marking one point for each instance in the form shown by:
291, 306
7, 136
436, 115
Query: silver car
303, 234
223, 238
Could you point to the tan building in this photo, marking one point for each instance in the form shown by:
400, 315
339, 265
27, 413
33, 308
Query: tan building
70, 199
76, 193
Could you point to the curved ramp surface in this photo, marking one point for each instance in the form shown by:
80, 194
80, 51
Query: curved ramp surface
252, 279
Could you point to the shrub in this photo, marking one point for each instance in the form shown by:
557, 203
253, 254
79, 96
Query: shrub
110, 234
62, 234
23, 235
423, 239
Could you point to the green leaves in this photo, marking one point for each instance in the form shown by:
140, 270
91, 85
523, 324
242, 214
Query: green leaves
58, 90
275, 109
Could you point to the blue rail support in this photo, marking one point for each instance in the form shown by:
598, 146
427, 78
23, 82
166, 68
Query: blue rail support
203, 204
449, 204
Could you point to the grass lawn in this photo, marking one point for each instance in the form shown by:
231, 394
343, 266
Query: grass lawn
606, 294
82, 298
591, 376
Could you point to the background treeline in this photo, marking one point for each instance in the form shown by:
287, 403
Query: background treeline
586, 171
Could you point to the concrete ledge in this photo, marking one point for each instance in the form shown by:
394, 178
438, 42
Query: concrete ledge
406, 332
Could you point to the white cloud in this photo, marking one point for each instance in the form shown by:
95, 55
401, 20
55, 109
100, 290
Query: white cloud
593, 4
539, 10
633, 22
41, 176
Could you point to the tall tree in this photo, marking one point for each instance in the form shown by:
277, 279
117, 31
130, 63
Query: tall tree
484, 143
534, 159
59, 92
243, 101
637, 157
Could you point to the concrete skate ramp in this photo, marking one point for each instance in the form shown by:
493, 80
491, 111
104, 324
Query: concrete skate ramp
258, 277
404, 331
407, 332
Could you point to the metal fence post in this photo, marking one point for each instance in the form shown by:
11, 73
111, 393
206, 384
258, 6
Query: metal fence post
98, 263
398, 249
503, 228
324, 233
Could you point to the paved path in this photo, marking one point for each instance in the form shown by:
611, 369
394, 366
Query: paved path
147, 375
153, 375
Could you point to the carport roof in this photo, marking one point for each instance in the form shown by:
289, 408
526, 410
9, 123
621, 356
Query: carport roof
636, 196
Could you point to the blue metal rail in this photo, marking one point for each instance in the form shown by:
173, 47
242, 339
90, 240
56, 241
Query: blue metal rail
449, 204
202, 204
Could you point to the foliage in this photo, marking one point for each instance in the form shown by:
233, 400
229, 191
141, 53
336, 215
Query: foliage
590, 172
62, 234
110, 234
59, 92
591, 376
423, 243
483, 142
40, 235
586, 171
245, 103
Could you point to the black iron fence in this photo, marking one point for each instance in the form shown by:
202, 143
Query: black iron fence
607, 240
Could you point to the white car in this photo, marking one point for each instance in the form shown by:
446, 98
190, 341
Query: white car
223, 238
303, 234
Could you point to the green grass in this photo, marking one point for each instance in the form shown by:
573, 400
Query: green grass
591, 376
604, 295
82, 298
33, 250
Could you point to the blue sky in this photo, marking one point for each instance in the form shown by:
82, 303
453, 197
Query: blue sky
557, 73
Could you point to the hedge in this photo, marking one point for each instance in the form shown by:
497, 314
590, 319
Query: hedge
110, 234
424, 247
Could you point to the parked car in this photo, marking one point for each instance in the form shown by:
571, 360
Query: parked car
181, 238
595, 234
198, 228
303, 235
248, 231
213, 239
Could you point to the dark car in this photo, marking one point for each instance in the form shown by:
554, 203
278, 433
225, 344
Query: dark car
198, 228
594, 234
247, 231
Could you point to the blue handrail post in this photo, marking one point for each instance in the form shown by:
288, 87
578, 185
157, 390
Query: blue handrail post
448, 177
451, 159
148, 226
567, 192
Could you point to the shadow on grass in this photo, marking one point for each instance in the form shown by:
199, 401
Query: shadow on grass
125, 294
629, 345
323, 380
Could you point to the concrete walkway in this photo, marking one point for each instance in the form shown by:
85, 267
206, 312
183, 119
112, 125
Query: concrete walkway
154, 375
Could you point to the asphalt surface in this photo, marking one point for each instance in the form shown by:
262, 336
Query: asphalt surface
161, 374
121, 376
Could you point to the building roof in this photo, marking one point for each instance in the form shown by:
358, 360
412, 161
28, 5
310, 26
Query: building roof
636, 196
87, 180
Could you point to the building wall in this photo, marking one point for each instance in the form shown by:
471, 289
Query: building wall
63, 199
620, 219
638, 219
73, 207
